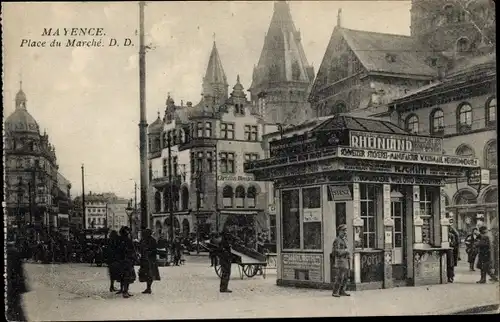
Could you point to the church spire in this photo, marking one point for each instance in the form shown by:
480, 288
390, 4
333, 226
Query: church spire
20, 96
215, 81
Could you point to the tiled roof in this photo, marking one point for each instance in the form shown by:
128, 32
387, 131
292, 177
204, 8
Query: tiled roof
372, 49
367, 124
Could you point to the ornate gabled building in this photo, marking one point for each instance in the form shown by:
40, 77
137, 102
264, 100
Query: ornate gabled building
282, 79
30, 173
203, 147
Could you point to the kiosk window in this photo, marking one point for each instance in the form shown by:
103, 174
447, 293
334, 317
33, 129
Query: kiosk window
290, 219
340, 214
426, 196
311, 219
368, 194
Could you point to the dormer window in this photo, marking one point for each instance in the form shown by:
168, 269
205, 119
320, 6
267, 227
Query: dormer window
390, 57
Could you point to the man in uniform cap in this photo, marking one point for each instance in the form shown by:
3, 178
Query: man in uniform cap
341, 261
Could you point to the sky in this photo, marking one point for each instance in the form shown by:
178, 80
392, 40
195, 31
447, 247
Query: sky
87, 99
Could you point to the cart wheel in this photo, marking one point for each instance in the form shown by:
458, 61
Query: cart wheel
250, 270
218, 270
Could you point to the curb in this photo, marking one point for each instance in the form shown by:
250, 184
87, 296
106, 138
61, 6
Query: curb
477, 309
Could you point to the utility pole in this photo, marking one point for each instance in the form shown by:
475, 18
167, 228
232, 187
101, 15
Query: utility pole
198, 203
83, 198
217, 215
170, 187
135, 201
143, 124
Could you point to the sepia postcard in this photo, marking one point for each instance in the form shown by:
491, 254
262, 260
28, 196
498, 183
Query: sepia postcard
249, 159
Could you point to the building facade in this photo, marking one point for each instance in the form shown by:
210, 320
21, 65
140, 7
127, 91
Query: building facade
282, 79
207, 145
64, 205
31, 186
385, 184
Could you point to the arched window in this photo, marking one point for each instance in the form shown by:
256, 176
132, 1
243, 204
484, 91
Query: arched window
465, 151
490, 155
437, 121
412, 124
166, 199
251, 197
465, 197
491, 110
185, 198
239, 197
157, 201
227, 197
491, 196
463, 45
464, 117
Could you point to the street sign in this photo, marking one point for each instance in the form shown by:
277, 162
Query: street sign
478, 178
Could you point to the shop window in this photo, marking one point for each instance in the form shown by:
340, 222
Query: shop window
437, 122
290, 219
272, 228
426, 213
491, 155
412, 124
227, 197
491, 110
464, 118
239, 197
311, 204
368, 195
251, 197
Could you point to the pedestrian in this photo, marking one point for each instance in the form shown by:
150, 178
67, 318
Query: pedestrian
453, 253
341, 261
112, 261
484, 257
494, 244
177, 250
470, 248
16, 284
225, 260
148, 271
126, 256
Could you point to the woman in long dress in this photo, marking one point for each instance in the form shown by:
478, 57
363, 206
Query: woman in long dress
148, 271
112, 261
126, 256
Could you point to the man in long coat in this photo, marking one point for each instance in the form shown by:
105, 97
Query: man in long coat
148, 271
126, 256
225, 260
484, 255
16, 284
341, 261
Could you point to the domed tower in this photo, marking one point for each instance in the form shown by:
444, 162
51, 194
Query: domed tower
21, 120
453, 28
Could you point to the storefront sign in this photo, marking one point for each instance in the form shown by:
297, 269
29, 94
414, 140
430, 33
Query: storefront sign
340, 193
385, 167
234, 178
293, 145
379, 155
398, 179
298, 266
312, 215
372, 266
394, 142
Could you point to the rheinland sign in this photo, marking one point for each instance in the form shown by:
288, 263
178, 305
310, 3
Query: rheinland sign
409, 169
417, 158
395, 142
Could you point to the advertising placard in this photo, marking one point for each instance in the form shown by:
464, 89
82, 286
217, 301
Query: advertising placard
300, 266
379, 155
412, 169
340, 193
398, 179
395, 142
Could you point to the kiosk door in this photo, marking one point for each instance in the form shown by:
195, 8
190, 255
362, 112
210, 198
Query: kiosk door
398, 242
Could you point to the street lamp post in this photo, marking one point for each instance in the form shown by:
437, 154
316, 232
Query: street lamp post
129, 210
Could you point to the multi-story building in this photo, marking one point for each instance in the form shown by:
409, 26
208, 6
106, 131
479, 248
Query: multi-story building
442, 84
282, 79
96, 209
30, 173
209, 142
117, 214
64, 205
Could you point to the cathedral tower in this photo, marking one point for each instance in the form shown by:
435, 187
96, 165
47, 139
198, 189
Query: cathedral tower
282, 78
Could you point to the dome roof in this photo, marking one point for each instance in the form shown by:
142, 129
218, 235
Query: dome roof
21, 121
156, 126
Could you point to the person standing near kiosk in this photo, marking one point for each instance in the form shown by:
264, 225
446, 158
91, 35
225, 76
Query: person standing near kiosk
341, 261
225, 260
